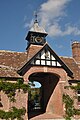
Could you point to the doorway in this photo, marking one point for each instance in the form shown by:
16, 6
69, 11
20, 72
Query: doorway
42, 87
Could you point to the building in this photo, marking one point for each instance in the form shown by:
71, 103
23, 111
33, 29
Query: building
40, 63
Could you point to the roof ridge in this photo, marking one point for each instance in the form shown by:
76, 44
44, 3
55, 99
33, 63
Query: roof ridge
66, 57
11, 51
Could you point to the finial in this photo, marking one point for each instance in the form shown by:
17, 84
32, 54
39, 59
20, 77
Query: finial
35, 14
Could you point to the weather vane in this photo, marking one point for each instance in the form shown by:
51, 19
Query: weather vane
35, 14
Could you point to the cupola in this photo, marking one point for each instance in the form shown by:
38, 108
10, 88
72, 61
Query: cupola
36, 35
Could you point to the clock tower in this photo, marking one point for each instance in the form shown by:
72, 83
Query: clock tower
36, 35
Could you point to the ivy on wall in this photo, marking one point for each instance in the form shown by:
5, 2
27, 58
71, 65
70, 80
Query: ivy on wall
12, 114
9, 88
70, 110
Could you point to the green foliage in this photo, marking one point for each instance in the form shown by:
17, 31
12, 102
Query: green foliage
77, 111
13, 113
68, 106
69, 103
10, 88
76, 87
20, 81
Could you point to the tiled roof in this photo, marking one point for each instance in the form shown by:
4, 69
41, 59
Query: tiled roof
71, 63
8, 72
12, 59
10, 62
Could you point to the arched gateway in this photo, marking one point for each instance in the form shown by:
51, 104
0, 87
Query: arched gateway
48, 83
46, 67
48, 90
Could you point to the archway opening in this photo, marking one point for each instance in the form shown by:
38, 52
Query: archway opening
34, 96
47, 83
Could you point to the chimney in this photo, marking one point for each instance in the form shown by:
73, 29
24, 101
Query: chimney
76, 51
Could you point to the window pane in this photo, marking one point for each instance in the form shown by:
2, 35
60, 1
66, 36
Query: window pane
37, 62
42, 62
48, 62
52, 57
58, 64
53, 63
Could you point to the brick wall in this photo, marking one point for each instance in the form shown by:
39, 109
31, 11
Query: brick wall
76, 51
53, 87
21, 101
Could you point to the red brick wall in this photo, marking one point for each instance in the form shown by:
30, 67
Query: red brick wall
76, 51
5, 101
58, 71
54, 104
21, 101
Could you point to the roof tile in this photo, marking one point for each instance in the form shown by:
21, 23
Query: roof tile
11, 61
73, 66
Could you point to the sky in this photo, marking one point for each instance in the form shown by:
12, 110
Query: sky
60, 19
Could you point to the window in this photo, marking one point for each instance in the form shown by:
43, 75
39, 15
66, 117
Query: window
78, 94
0, 102
78, 98
45, 57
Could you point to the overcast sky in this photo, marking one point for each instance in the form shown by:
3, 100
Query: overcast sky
60, 18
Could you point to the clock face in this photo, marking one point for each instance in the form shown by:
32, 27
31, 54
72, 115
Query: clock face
38, 39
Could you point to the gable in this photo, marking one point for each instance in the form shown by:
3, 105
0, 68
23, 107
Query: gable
46, 57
